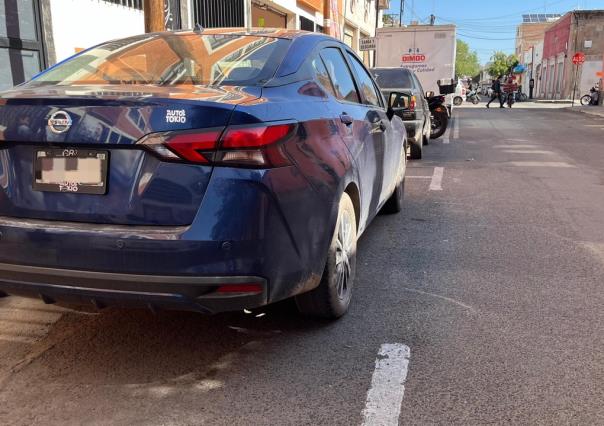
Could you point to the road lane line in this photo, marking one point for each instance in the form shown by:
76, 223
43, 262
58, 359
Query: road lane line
509, 146
540, 164
527, 151
385, 396
437, 179
456, 127
446, 135
418, 177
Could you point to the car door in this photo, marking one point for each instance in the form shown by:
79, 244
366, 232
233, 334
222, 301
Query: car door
381, 126
358, 127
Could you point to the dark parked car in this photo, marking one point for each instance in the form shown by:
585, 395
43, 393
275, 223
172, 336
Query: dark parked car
417, 114
206, 171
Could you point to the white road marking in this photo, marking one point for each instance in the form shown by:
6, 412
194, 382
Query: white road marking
446, 135
456, 127
515, 146
437, 179
418, 177
540, 164
527, 151
385, 396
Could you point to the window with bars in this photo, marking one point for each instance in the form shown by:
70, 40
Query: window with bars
219, 13
135, 4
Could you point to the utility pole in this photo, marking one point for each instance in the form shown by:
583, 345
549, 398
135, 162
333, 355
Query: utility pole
401, 13
154, 15
377, 21
327, 17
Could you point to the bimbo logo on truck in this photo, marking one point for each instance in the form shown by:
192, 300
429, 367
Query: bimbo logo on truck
414, 56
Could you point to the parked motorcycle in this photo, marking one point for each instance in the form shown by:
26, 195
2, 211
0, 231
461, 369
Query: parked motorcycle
593, 98
439, 115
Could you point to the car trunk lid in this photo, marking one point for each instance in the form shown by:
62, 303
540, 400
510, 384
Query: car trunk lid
139, 188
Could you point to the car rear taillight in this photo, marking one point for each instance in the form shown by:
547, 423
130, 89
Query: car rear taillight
412, 103
245, 146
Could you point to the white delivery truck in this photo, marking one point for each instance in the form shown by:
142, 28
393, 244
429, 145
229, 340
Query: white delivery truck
428, 50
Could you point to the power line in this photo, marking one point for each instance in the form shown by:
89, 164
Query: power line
485, 38
512, 14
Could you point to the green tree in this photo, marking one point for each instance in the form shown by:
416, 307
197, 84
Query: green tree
466, 61
501, 64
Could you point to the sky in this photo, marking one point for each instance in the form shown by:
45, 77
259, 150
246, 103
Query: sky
486, 25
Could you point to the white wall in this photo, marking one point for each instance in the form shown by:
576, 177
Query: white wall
85, 23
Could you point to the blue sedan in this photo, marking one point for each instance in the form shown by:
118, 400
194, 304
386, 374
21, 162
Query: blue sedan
209, 171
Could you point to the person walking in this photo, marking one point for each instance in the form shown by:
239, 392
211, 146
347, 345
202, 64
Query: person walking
496, 86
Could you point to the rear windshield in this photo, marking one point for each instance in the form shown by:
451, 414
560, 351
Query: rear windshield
173, 59
394, 78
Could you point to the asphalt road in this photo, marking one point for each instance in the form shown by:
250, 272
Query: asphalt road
492, 278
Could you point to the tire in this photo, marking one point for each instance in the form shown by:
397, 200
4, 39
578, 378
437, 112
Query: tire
585, 100
457, 100
331, 299
523, 97
440, 121
395, 202
415, 149
475, 100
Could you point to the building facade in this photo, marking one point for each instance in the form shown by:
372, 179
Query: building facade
529, 35
577, 31
35, 34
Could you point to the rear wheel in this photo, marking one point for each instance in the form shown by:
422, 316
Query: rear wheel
457, 100
395, 202
415, 150
475, 100
585, 100
332, 297
440, 120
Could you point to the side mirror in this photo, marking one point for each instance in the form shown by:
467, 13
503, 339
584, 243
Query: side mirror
429, 94
398, 103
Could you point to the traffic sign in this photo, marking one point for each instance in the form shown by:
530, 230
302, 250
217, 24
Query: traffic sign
579, 58
367, 43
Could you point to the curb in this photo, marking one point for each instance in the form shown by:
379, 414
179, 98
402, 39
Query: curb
594, 111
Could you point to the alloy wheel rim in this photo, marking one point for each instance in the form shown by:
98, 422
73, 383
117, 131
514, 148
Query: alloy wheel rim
343, 255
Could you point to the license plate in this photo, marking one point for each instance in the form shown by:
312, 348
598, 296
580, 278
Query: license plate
81, 171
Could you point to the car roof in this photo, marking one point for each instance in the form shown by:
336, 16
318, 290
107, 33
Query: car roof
261, 32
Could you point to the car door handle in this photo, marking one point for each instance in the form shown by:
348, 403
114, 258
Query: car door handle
346, 119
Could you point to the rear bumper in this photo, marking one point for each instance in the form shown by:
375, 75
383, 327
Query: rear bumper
252, 224
200, 294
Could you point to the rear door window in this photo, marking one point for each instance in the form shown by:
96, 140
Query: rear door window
340, 75
366, 86
322, 76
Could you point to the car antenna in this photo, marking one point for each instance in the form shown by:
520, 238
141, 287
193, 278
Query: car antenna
199, 28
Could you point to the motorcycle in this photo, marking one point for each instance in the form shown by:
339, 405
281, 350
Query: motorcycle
473, 97
439, 115
593, 98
